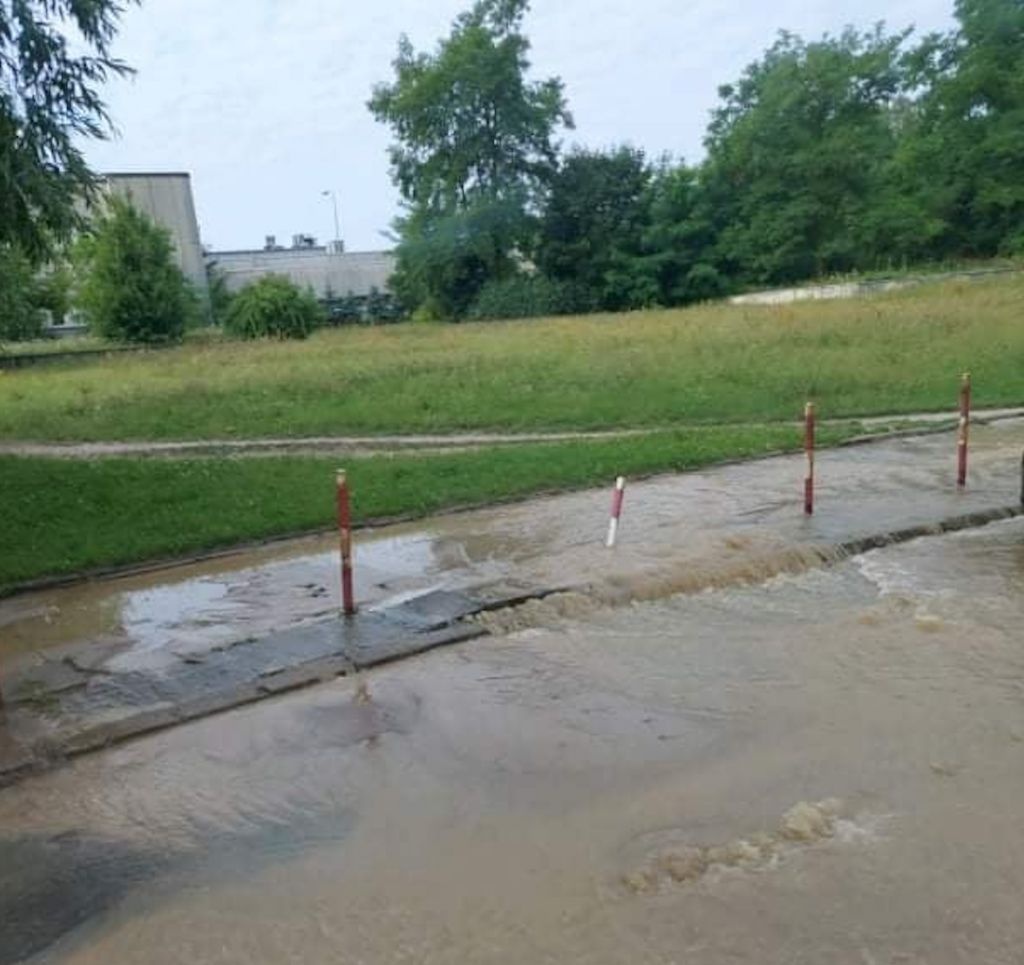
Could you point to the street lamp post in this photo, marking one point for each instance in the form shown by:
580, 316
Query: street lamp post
334, 204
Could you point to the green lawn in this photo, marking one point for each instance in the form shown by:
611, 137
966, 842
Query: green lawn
890, 353
67, 516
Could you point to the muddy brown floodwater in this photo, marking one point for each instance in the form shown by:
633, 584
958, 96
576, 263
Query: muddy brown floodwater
679, 532
823, 768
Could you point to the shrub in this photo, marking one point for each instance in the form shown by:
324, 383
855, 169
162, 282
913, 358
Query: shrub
220, 295
20, 318
382, 307
524, 296
129, 288
344, 310
426, 314
274, 307
53, 292
703, 283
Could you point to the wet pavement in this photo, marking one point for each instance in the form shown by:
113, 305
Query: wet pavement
825, 766
89, 664
56, 709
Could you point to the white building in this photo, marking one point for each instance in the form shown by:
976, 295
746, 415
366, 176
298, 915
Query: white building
327, 270
167, 199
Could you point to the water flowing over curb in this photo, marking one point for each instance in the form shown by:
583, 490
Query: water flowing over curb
95, 708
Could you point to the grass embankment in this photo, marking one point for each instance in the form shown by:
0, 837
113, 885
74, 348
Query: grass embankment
890, 353
67, 516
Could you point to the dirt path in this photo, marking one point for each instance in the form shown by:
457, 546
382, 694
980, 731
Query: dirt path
306, 445
434, 444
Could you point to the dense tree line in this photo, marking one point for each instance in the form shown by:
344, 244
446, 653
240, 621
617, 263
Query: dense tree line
866, 150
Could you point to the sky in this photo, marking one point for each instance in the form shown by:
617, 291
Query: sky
263, 102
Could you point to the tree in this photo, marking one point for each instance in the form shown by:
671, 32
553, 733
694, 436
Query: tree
129, 287
20, 317
593, 226
799, 153
443, 261
680, 238
629, 234
964, 152
48, 104
474, 151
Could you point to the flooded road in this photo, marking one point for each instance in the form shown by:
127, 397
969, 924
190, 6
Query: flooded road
824, 767
681, 532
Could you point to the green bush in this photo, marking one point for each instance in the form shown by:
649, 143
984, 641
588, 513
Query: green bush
343, 310
525, 296
53, 292
703, 283
20, 318
129, 288
220, 296
383, 308
274, 307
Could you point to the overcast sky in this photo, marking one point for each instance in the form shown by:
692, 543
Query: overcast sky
264, 101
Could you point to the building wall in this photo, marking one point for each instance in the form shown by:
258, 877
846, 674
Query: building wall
167, 199
340, 273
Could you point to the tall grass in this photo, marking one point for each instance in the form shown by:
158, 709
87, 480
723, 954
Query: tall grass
889, 353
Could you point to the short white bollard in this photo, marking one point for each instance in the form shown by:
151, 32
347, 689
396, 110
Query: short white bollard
613, 523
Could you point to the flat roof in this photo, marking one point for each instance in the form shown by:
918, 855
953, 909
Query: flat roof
145, 174
319, 250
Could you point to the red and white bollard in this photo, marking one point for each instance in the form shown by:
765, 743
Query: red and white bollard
963, 435
348, 603
613, 523
809, 450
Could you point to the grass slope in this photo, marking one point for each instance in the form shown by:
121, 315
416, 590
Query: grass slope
67, 516
890, 353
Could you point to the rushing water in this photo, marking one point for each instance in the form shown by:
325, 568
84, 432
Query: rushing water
823, 768
717, 527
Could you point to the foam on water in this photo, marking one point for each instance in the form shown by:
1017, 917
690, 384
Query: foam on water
803, 825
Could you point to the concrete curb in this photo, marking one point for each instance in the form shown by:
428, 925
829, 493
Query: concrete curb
103, 708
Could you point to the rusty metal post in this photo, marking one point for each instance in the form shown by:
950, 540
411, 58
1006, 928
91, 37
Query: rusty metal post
345, 534
963, 434
809, 451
